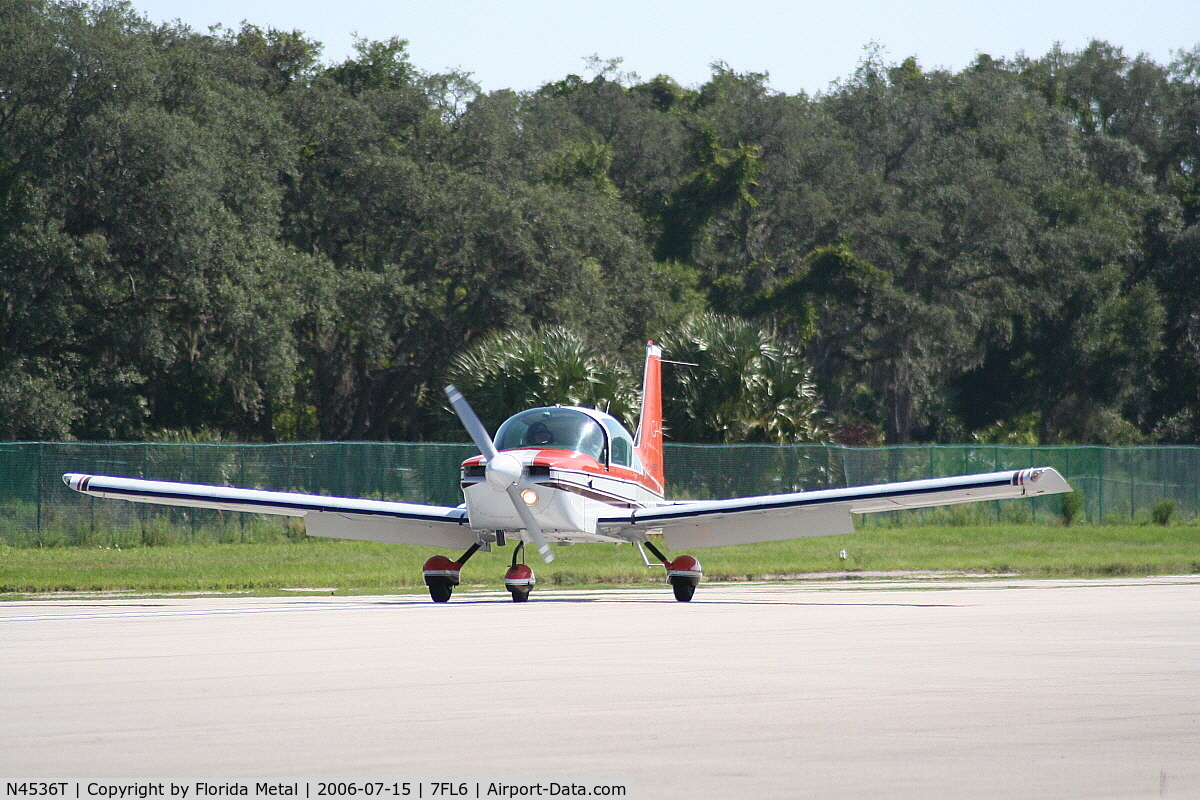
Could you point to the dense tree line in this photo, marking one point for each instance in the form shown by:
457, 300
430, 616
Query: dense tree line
218, 232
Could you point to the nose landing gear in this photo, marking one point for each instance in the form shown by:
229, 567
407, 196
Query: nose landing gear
519, 579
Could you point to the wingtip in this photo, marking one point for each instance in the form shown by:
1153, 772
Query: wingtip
76, 481
1042, 480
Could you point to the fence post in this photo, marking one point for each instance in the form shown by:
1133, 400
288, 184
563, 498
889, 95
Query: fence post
38, 492
1132, 486
1067, 471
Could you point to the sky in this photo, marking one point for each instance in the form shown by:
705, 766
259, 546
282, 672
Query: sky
803, 45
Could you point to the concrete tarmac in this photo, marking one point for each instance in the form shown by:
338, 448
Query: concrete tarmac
848, 689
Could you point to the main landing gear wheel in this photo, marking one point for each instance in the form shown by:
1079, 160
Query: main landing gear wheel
440, 589
442, 575
684, 589
684, 574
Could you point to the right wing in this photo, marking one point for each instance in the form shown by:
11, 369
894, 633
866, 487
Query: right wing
825, 512
332, 517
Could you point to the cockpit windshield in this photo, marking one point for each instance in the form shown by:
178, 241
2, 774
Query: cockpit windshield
553, 429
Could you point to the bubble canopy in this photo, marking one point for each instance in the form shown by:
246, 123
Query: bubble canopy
582, 430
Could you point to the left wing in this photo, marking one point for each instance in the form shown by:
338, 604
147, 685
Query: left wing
334, 517
714, 523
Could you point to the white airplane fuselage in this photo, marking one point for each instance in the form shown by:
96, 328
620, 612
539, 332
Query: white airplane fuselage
566, 491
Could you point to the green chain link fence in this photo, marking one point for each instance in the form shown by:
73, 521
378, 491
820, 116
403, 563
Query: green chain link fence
36, 508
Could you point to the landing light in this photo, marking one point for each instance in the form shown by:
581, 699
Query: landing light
529, 496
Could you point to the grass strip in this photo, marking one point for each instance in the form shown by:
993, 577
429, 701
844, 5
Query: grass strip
363, 567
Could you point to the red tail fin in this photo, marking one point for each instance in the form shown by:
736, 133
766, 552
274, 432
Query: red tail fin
650, 429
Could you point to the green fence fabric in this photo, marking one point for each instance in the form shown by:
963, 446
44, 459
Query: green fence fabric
1117, 483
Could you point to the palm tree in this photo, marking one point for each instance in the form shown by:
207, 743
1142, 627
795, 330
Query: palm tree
511, 371
749, 385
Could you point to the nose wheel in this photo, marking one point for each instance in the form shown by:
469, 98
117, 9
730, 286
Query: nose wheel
519, 579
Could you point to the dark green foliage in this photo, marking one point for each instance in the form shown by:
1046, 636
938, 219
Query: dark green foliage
1163, 511
219, 232
1072, 506
513, 370
747, 385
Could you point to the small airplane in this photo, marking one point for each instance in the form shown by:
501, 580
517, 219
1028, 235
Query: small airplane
568, 474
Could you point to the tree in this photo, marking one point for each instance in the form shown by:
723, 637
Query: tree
219, 232
141, 204
747, 385
512, 370
438, 235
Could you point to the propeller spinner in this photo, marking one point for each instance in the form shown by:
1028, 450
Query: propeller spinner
502, 470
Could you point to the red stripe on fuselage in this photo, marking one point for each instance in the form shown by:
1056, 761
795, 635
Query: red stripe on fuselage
569, 461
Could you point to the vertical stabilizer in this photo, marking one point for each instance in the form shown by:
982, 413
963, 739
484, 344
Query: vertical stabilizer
650, 428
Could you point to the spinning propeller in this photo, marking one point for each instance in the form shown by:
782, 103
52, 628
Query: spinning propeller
502, 470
